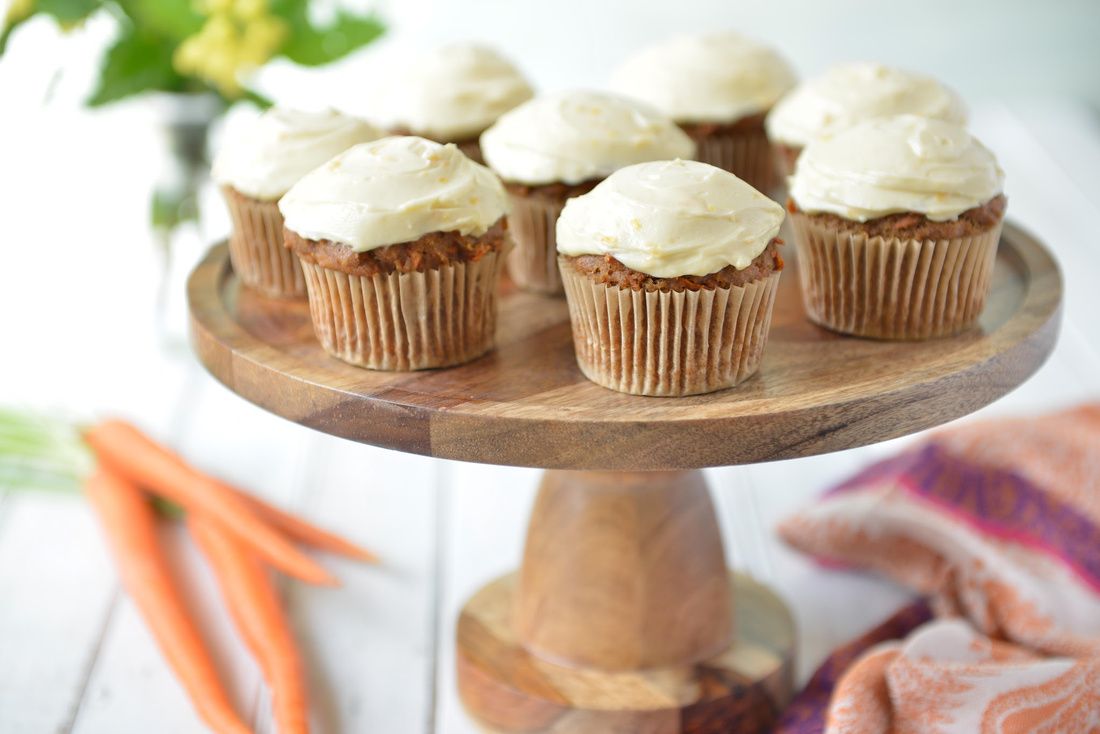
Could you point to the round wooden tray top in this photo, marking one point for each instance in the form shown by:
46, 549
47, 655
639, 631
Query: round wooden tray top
527, 404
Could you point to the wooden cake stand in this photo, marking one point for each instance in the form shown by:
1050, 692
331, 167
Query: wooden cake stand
623, 616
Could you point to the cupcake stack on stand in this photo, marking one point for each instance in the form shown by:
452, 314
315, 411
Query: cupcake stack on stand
623, 615
401, 241
452, 93
255, 166
559, 146
671, 270
848, 94
897, 222
719, 88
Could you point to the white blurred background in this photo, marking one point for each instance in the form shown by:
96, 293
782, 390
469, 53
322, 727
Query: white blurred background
981, 47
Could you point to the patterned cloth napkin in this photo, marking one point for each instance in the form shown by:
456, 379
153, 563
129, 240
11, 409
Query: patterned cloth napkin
997, 524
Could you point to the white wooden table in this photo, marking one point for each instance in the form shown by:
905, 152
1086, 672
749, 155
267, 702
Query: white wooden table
76, 298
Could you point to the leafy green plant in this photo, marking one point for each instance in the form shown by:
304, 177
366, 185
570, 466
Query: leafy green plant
41, 451
46, 452
188, 46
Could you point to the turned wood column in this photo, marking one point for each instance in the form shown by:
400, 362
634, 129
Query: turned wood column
624, 571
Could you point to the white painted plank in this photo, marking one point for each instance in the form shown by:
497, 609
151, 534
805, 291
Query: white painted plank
486, 510
1045, 200
90, 345
56, 579
751, 501
1068, 132
370, 645
55, 582
131, 688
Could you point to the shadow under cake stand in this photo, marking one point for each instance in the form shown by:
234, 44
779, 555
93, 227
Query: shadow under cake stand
623, 616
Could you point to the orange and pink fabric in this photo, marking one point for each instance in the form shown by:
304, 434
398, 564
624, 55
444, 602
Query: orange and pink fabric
997, 525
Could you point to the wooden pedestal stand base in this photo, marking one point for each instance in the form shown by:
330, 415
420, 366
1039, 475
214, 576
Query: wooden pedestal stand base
624, 618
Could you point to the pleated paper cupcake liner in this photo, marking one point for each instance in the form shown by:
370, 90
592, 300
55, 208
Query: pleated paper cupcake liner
256, 247
533, 263
893, 288
785, 158
747, 155
406, 321
668, 344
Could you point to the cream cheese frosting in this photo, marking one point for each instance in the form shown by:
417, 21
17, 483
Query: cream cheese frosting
456, 91
896, 164
265, 158
572, 137
671, 218
394, 190
850, 93
713, 77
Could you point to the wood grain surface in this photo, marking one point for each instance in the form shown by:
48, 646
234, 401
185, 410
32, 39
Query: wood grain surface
624, 571
624, 618
527, 404
741, 689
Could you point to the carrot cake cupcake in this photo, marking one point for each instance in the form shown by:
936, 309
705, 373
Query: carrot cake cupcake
401, 241
848, 94
718, 87
257, 164
561, 145
670, 270
453, 93
897, 222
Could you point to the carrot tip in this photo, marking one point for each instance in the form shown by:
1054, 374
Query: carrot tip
330, 581
318, 576
370, 557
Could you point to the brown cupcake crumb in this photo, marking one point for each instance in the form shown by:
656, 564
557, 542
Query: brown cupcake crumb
606, 270
702, 130
915, 226
431, 251
460, 142
556, 191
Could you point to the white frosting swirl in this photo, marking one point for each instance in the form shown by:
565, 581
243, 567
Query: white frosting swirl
896, 164
851, 93
456, 91
265, 158
671, 218
578, 136
394, 190
714, 77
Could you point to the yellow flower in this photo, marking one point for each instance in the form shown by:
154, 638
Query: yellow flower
262, 38
219, 29
250, 9
237, 37
214, 7
17, 10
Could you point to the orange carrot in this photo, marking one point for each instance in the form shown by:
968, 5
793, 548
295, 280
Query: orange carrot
132, 454
130, 523
258, 613
302, 531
